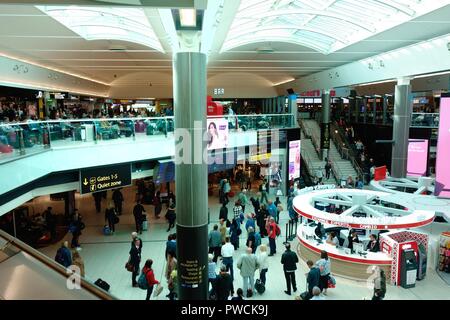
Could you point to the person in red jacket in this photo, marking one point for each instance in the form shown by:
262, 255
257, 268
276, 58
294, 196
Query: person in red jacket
271, 227
150, 275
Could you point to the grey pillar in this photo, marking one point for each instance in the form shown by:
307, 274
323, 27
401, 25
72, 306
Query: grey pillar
274, 105
191, 175
280, 101
292, 110
325, 125
402, 120
374, 106
357, 108
365, 102
385, 103
351, 108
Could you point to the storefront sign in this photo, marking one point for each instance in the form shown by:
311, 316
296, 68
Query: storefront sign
442, 187
417, 158
105, 178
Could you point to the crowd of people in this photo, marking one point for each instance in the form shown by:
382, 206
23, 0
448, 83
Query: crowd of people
22, 112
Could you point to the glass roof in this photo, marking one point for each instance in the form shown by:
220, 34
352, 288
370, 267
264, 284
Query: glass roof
323, 25
104, 23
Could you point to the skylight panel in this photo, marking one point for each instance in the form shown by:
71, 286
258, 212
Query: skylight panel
347, 21
104, 23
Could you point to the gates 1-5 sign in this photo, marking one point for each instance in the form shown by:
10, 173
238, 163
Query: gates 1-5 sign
104, 178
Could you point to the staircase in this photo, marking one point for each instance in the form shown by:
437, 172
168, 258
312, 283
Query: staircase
342, 168
311, 157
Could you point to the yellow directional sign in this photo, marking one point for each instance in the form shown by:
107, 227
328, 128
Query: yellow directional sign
105, 178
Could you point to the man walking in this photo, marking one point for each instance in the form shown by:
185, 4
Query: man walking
227, 251
138, 211
289, 261
243, 199
215, 242
248, 264
264, 188
237, 212
118, 200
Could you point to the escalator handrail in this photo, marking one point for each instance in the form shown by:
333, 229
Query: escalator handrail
85, 284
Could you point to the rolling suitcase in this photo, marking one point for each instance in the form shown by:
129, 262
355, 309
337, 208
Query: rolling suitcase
106, 231
102, 284
144, 225
259, 286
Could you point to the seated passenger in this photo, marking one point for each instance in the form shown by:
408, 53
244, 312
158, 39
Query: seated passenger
373, 245
352, 238
332, 239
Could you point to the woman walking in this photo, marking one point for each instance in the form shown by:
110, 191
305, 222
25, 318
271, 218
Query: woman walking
150, 276
324, 266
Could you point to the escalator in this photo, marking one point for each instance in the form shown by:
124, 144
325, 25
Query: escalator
26, 274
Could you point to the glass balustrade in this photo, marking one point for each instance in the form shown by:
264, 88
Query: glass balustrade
425, 120
19, 139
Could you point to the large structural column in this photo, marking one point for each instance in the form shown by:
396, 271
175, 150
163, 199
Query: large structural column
325, 125
357, 109
402, 121
385, 105
191, 174
374, 109
293, 110
365, 102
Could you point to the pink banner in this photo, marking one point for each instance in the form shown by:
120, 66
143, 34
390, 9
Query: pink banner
417, 158
442, 188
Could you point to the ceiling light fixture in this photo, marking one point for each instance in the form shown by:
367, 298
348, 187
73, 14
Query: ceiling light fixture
282, 82
53, 69
432, 74
373, 83
188, 18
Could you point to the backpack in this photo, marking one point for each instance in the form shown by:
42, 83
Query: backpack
72, 227
257, 239
60, 257
142, 281
277, 230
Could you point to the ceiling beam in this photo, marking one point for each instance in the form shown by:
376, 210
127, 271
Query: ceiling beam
199, 4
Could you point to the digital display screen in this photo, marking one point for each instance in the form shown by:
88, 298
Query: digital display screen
417, 158
164, 172
217, 132
294, 159
442, 187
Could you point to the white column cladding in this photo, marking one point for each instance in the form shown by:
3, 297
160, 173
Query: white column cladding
191, 179
402, 122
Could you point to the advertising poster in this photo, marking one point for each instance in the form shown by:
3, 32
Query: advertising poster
217, 132
294, 159
417, 158
442, 187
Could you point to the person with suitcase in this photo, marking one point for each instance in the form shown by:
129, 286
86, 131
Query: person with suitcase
171, 216
149, 278
312, 281
111, 218
248, 264
263, 263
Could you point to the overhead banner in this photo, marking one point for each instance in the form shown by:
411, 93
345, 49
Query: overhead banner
417, 158
217, 134
294, 159
442, 187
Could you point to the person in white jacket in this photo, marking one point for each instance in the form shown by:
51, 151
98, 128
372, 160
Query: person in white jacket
263, 262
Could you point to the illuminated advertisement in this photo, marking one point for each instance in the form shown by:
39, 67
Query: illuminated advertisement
417, 158
442, 187
294, 159
217, 132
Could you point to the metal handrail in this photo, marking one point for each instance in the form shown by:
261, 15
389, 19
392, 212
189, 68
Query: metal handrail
85, 284
351, 154
39, 122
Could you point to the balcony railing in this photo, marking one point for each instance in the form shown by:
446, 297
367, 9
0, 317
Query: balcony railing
425, 120
26, 138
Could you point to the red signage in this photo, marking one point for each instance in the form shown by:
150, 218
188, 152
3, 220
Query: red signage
380, 173
316, 93
213, 108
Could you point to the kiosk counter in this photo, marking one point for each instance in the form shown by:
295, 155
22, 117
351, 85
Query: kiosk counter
354, 266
